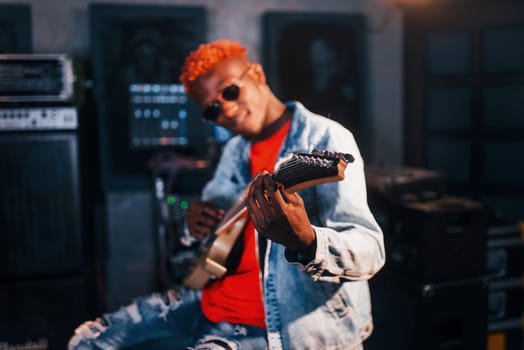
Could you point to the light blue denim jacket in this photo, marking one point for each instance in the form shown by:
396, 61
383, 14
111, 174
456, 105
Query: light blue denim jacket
325, 304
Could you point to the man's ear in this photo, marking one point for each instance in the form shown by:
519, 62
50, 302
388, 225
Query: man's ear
258, 73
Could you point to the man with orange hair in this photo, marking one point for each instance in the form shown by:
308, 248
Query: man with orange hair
301, 279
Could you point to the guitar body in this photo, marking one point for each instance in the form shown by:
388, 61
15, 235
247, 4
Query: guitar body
211, 264
295, 173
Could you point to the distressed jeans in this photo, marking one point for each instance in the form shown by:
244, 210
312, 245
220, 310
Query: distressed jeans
161, 321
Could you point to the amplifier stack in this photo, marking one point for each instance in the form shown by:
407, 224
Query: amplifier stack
434, 278
43, 271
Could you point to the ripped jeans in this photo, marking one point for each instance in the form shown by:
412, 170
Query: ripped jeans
171, 320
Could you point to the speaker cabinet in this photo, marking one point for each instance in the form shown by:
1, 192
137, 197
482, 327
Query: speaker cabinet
40, 220
505, 263
41, 314
42, 260
388, 185
439, 240
443, 316
505, 251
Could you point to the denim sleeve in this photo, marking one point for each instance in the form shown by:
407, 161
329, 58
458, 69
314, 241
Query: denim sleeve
228, 181
350, 243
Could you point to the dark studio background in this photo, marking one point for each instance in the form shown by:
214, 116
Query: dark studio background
432, 91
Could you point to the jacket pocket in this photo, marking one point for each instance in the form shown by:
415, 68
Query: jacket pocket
337, 304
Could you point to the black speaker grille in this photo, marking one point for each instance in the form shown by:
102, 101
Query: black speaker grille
40, 210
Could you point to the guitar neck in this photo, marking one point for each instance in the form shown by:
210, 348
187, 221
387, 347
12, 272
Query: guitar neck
296, 173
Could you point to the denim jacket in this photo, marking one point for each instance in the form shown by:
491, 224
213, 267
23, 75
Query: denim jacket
324, 304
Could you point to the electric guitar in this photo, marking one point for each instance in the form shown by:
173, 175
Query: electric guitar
296, 172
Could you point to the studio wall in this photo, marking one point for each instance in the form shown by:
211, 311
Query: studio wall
62, 26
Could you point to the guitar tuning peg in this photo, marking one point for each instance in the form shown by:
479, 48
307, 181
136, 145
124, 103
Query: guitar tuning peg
348, 158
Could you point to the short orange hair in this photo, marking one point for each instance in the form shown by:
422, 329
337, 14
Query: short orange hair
205, 57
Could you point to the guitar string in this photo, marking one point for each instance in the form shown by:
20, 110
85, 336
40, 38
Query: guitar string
296, 163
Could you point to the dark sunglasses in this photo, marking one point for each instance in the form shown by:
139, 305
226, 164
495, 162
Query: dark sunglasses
230, 93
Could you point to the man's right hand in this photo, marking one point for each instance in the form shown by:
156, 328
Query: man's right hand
202, 218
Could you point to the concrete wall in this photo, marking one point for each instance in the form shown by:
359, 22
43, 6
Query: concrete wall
61, 26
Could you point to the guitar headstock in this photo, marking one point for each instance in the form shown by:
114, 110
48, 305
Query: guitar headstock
301, 170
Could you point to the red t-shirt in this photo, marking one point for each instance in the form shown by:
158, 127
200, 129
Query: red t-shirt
237, 298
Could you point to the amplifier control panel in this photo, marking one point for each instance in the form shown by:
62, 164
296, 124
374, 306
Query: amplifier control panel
38, 118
